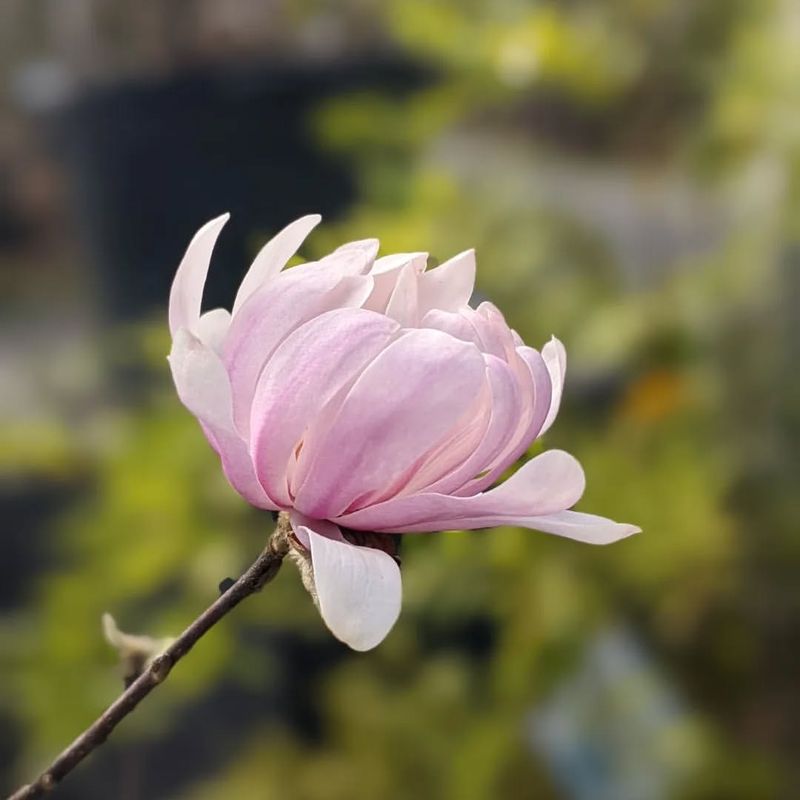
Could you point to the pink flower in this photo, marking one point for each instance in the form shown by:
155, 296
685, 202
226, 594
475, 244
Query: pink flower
365, 393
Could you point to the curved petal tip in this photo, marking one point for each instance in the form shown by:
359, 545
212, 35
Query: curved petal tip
359, 589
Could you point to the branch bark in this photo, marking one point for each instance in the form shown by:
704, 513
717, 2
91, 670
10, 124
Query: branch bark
261, 572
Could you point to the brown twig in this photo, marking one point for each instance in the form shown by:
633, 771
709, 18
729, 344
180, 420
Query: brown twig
263, 570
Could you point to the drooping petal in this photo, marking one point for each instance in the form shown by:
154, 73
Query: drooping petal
203, 387
271, 314
186, 294
307, 370
551, 482
274, 255
555, 357
403, 404
449, 286
359, 588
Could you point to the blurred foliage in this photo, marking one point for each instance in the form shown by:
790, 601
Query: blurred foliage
551, 132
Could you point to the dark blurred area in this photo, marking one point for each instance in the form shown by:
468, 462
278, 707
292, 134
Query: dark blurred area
629, 172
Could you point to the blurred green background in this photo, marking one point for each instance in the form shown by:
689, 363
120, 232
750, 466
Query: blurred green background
629, 172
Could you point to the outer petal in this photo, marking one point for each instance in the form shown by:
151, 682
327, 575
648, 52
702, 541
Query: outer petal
271, 314
202, 384
450, 285
533, 385
273, 256
186, 294
359, 588
400, 408
504, 412
201, 379
551, 482
555, 357
451, 453
586, 528
307, 370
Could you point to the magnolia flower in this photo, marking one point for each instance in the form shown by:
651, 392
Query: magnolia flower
365, 394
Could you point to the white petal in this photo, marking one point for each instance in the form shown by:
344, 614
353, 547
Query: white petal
201, 380
359, 588
449, 286
186, 294
212, 328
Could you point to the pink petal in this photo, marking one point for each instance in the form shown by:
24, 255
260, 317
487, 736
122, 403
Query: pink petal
271, 314
238, 468
455, 324
307, 370
443, 460
186, 295
494, 334
403, 404
203, 387
450, 285
359, 588
488, 329
533, 392
504, 406
273, 256
551, 482
587, 528
555, 357
542, 390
